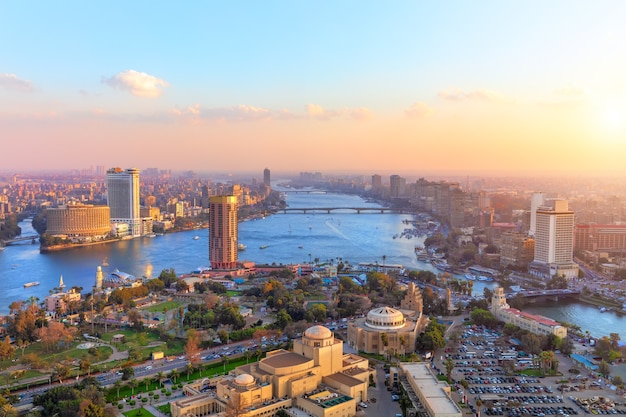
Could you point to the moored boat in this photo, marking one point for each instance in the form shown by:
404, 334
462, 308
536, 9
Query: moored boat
31, 284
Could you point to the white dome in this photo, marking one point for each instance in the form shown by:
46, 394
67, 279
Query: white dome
244, 379
318, 333
385, 318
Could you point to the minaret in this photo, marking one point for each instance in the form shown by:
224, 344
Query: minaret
61, 284
99, 278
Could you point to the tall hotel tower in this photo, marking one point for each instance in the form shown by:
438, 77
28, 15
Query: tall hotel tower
536, 200
267, 177
123, 198
223, 231
554, 241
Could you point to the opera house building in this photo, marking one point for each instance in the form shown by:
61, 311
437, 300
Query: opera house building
315, 379
387, 329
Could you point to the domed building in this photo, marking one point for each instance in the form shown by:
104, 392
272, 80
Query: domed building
315, 379
387, 329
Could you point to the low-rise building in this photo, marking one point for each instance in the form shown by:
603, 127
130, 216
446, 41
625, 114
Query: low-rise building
532, 322
316, 378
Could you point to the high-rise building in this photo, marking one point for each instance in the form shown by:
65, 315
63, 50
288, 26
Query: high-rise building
223, 232
79, 221
554, 241
266, 177
397, 186
536, 200
123, 198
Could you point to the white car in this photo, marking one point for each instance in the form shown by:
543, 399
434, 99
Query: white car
362, 404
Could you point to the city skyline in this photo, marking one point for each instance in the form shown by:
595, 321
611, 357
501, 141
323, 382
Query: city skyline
480, 88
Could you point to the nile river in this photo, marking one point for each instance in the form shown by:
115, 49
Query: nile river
288, 238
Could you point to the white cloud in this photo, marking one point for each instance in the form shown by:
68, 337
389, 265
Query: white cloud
241, 112
418, 110
315, 111
137, 83
480, 95
570, 91
361, 113
12, 82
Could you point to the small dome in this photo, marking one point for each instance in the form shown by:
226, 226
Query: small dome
385, 318
244, 379
318, 333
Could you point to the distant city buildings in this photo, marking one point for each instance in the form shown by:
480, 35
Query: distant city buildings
123, 199
223, 232
554, 241
536, 200
516, 250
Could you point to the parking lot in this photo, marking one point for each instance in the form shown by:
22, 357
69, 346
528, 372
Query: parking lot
490, 369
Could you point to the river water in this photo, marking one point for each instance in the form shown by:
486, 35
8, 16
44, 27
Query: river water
288, 238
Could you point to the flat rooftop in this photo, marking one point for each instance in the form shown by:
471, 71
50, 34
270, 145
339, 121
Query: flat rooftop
429, 389
285, 360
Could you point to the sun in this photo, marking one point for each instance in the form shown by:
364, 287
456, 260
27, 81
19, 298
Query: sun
613, 118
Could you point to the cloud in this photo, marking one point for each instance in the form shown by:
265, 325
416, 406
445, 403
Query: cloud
570, 91
315, 111
12, 82
137, 83
241, 112
361, 113
479, 95
418, 110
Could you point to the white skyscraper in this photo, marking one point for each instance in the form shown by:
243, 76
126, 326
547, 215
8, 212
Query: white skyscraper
554, 241
537, 200
123, 198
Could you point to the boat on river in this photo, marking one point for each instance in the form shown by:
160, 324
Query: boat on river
241, 247
196, 237
31, 284
263, 247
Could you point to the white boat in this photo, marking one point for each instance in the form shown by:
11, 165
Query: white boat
470, 277
603, 309
196, 237
31, 284
151, 235
241, 247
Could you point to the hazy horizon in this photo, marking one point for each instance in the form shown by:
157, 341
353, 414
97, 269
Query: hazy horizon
430, 88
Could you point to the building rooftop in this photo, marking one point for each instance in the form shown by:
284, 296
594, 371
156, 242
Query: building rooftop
286, 359
344, 379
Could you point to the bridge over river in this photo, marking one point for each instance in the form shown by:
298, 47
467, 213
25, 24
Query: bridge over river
536, 295
21, 239
329, 210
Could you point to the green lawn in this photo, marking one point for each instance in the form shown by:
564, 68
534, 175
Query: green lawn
233, 293
165, 408
161, 307
139, 412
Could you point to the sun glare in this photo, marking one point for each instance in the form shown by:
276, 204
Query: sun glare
614, 119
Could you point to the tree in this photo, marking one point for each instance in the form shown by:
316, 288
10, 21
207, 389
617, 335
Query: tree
174, 375
60, 372
117, 385
85, 366
132, 384
449, 367
192, 350
6, 349
604, 368
160, 377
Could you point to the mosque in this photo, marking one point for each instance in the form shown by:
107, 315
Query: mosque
387, 329
316, 379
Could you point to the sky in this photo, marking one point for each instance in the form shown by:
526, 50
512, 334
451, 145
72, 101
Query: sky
511, 87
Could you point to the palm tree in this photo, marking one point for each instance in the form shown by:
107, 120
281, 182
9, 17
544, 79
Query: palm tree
247, 354
189, 369
384, 258
132, 384
160, 377
174, 375
117, 385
